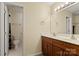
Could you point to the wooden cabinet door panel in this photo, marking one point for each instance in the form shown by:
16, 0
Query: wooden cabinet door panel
65, 53
47, 46
73, 49
44, 47
49, 40
49, 49
57, 51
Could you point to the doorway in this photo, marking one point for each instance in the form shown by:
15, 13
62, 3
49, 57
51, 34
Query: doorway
13, 42
68, 25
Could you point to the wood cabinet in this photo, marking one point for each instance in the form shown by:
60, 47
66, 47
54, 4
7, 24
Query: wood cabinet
47, 46
54, 47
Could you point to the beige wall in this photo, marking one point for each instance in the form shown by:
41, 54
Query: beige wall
58, 22
75, 18
34, 13
76, 23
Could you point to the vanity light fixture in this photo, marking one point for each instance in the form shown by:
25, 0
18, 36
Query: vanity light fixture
66, 2
55, 9
58, 7
64, 6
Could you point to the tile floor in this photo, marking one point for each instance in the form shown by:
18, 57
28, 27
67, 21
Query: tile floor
15, 52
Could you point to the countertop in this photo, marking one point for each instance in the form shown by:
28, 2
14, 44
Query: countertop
63, 38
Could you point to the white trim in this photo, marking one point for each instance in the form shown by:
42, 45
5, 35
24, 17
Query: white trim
6, 31
20, 4
35, 54
2, 29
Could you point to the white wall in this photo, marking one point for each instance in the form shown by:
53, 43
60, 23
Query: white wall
34, 13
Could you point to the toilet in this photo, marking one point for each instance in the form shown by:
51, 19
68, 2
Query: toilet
16, 43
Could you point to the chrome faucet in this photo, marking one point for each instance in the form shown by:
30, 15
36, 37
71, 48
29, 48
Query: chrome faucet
54, 34
73, 37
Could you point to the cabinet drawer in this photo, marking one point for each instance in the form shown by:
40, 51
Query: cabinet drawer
46, 39
58, 43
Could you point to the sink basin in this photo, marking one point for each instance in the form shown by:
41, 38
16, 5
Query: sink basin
64, 37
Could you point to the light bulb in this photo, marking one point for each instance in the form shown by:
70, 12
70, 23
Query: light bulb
62, 6
55, 9
58, 7
66, 2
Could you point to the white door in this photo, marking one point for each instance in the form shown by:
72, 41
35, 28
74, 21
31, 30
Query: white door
0, 29
6, 41
68, 25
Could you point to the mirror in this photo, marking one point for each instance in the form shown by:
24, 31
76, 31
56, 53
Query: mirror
66, 21
72, 23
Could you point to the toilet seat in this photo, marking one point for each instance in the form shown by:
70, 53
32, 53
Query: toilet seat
16, 43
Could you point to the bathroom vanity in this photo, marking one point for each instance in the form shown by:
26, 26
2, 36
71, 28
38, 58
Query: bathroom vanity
66, 22
52, 46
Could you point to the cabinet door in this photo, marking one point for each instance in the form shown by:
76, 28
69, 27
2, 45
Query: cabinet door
49, 49
44, 47
71, 49
70, 52
57, 51
66, 53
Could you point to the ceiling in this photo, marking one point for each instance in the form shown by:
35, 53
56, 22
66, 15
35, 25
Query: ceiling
49, 3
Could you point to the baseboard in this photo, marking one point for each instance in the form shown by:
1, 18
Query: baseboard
36, 54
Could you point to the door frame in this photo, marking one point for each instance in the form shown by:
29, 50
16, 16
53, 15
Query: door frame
2, 29
2, 24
